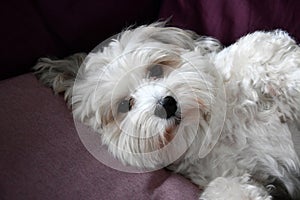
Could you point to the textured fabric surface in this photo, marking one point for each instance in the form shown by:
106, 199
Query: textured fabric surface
42, 157
228, 20
34, 28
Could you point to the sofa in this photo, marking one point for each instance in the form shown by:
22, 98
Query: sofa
41, 155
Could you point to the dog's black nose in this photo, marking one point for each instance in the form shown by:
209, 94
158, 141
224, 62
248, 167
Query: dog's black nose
166, 107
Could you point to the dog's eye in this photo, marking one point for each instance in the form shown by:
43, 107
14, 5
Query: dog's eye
156, 71
125, 105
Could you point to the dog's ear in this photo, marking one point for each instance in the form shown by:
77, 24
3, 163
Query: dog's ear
59, 74
170, 35
86, 90
185, 39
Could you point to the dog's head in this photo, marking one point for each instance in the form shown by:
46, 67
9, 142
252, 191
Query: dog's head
149, 93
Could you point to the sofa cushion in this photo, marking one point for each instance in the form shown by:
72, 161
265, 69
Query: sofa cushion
42, 157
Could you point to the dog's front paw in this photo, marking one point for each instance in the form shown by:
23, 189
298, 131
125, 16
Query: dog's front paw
236, 188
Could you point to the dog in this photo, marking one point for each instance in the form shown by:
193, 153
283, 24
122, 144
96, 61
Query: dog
166, 97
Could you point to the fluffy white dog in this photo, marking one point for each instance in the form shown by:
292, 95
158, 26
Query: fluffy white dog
161, 96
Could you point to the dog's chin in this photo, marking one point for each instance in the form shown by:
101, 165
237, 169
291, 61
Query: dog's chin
145, 152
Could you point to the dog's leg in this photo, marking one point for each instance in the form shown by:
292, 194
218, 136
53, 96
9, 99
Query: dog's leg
236, 188
262, 69
267, 67
59, 74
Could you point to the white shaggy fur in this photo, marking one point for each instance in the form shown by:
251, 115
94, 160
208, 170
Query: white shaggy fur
230, 132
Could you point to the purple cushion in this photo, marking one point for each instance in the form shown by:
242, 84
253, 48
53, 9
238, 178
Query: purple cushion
42, 157
228, 20
31, 29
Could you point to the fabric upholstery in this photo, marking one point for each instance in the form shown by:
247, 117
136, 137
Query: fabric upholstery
42, 157
228, 20
31, 29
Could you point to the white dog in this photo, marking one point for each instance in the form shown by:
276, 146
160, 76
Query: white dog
161, 96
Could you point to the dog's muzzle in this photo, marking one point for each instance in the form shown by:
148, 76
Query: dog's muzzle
166, 107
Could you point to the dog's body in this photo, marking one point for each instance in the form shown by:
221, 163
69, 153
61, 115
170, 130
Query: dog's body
166, 97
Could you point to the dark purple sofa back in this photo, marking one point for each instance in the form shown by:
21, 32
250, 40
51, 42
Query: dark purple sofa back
34, 28
228, 20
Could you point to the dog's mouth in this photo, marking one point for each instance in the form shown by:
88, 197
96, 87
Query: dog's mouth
171, 130
167, 109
